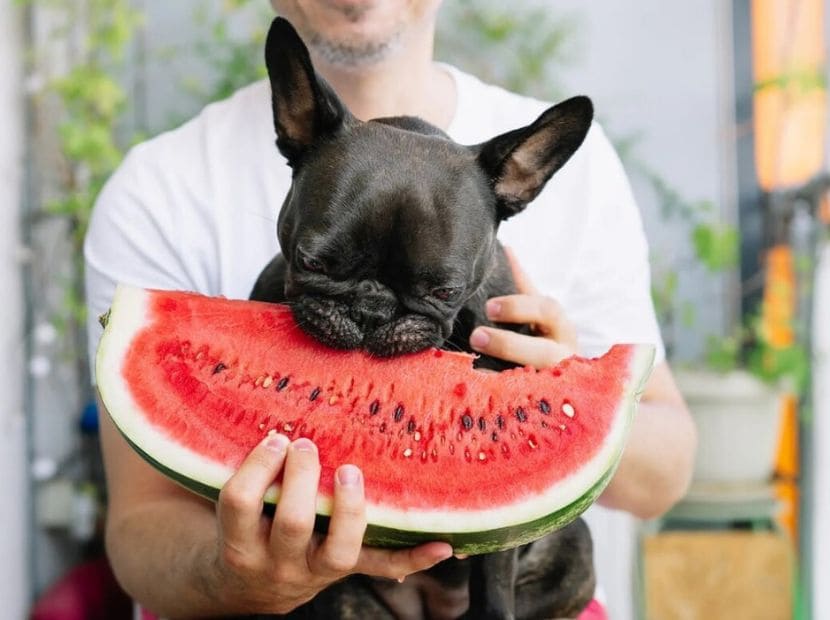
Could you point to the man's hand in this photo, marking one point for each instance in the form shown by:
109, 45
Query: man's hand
275, 565
553, 339
179, 555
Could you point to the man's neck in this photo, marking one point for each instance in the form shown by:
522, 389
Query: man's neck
408, 82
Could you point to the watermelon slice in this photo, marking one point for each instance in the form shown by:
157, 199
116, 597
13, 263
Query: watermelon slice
484, 461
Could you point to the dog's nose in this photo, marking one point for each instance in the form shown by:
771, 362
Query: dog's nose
374, 304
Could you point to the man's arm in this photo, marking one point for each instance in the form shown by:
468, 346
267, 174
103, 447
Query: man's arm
179, 555
656, 467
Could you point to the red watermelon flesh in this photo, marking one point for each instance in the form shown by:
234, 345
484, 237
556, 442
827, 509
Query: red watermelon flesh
483, 460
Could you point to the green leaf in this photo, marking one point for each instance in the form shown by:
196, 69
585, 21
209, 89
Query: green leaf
687, 314
723, 354
716, 246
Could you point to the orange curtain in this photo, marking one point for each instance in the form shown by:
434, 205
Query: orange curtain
790, 103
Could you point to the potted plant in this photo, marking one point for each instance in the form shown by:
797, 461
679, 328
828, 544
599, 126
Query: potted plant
735, 387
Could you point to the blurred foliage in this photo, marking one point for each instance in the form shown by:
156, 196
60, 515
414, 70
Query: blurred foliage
713, 248
234, 59
518, 46
86, 98
75, 91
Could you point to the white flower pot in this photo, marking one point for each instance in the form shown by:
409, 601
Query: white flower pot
738, 419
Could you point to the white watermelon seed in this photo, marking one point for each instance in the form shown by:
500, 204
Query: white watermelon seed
561, 427
333, 400
287, 427
531, 443
417, 436
482, 456
568, 409
267, 381
407, 453
261, 425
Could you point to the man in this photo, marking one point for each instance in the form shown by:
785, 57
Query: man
186, 211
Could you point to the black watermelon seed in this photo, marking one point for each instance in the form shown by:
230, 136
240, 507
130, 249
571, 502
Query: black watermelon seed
500, 421
467, 421
314, 393
373, 408
218, 368
382, 427
398, 413
544, 406
410, 426
494, 436
482, 424
544, 424
520, 414
281, 384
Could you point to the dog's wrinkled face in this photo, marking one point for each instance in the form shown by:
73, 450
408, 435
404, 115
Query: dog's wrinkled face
378, 256
389, 229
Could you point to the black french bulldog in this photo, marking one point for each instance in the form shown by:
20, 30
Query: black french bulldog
388, 236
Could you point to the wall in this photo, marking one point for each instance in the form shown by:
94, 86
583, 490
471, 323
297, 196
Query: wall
660, 71
14, 572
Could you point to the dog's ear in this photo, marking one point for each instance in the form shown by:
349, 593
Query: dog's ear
520, 162
306, 109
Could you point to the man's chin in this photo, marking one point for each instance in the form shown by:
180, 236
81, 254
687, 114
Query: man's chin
350, 33
353, 52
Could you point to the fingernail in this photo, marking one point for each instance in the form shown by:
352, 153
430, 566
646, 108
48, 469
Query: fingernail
401, 579
303, 444
493, 309
277, 443
348, 476
462, 556
479, 338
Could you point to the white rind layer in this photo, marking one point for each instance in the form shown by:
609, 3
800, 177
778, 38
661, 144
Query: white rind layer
129, 315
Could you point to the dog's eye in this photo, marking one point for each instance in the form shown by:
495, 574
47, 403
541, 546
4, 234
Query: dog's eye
445, 293
312, 264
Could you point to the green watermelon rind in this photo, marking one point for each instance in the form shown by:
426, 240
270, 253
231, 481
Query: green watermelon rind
471, 532
472, 543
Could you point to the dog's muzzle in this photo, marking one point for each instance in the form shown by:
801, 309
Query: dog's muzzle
373, 322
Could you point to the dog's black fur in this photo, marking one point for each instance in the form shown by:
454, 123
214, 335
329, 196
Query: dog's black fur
388, 240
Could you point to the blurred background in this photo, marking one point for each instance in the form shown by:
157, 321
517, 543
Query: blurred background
719, 111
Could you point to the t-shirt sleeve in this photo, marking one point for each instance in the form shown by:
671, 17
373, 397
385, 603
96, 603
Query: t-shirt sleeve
610, 294
131, 239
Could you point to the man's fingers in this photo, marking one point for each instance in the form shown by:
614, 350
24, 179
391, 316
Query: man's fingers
240, 500
403, 562
294, 518
523, 283
519, 348
340, 550
543, 313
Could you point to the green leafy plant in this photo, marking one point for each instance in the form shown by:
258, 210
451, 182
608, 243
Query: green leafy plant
714, 249
518, 47
233, 58
79, 106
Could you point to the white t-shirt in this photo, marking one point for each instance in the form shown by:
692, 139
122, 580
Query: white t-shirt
196, 208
